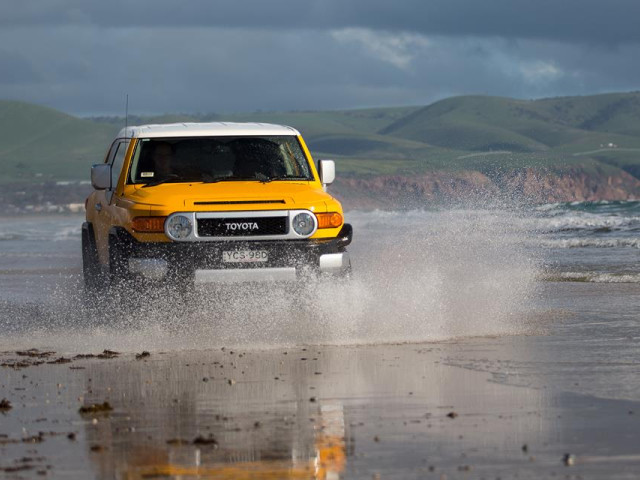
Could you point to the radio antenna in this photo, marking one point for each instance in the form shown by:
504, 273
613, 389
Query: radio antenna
126, 115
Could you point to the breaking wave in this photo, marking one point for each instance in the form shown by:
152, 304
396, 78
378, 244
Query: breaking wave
593, 277
44, 229
589, 242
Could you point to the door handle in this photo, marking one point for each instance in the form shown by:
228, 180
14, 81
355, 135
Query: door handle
98, 206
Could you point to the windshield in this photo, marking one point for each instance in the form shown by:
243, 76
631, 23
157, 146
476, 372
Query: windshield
215, 159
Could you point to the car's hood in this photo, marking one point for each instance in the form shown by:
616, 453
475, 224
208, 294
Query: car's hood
232, 195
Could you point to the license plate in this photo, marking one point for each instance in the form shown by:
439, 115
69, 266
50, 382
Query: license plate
244, 256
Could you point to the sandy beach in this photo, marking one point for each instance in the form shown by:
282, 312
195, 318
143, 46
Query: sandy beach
480, 408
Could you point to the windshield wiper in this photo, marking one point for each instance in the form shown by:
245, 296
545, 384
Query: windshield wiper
225, 178
265, 179
170, 178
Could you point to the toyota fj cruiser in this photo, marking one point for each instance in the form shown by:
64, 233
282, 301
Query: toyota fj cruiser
212, 202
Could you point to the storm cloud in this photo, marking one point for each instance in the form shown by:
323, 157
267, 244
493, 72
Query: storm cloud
203, 56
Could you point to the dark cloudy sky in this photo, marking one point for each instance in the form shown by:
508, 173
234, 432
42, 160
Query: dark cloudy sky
83, 56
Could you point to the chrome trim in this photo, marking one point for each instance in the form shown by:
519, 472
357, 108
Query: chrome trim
238, 275
194, 216
334, 262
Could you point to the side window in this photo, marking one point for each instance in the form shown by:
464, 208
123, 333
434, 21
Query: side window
116, 163
111, 152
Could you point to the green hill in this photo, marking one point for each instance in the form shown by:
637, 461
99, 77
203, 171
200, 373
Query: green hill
481, 123
482, 133
39, 143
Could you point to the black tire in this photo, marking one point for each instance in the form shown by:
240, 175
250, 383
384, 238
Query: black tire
91, 271
118, 262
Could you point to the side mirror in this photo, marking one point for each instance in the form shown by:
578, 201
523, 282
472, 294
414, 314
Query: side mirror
101, 176
327, 171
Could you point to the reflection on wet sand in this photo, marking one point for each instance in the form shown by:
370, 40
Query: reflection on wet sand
301, 413
189, 416
312, 412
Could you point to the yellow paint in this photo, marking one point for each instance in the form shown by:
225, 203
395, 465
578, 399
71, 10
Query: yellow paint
130, 201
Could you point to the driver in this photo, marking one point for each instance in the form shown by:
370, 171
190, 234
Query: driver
162, 160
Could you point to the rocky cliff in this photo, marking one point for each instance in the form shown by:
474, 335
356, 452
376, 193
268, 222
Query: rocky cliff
525, 185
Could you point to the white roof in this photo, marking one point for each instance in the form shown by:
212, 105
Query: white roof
205, 130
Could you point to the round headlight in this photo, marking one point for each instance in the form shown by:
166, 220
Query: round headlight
303, 224
179, 227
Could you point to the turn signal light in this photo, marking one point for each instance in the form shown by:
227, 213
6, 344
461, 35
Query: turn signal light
148, 224
329, 220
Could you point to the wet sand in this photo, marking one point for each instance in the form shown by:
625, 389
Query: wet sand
381, 411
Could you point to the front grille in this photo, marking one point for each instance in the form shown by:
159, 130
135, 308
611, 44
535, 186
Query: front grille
243, 226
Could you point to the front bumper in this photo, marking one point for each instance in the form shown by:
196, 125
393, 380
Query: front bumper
287, 259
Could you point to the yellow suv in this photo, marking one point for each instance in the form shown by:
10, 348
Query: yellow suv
212, 202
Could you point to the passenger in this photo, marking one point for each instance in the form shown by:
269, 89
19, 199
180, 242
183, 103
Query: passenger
255, 158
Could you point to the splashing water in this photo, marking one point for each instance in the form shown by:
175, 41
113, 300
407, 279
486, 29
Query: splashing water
418, 276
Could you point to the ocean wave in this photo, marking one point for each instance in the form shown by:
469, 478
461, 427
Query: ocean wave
593, 243
593, 277
43, 230
586, 221
601, 206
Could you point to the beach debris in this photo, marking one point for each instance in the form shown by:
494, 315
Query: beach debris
17, 468
525, 448
108, 354
144, 354
34, 353
177, 441
569, 460
5, 405
313, 399
210, 440
39, 438
231, 381
20, 363
71, 436
96, 408
452, 415
82, 356
60, 360
96, 448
